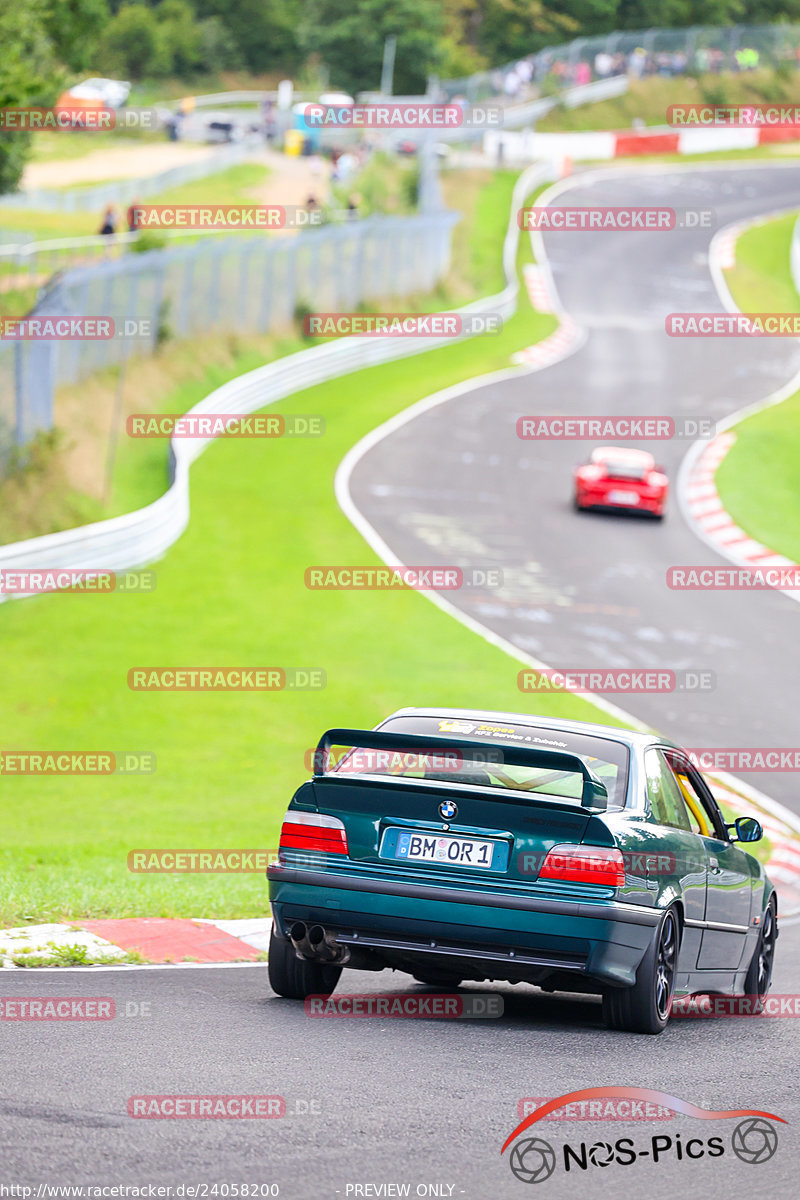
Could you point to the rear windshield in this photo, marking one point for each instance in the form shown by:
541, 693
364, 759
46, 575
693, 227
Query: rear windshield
606, 759
618, 469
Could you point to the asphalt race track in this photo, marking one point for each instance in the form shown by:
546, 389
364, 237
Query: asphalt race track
428, 1103
391, 1101
456, 486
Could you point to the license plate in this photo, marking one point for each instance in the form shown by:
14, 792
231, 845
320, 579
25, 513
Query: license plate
623, 497
452, 851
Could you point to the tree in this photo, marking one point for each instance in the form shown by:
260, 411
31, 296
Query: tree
74, 28
133, 44
181, 36
29, 76
218, 48
263, 30
350, 41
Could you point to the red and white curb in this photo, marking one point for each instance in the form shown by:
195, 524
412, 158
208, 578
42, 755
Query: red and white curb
538, 287
709, 514
553, 348
566, 338
697, 491
726, 246
155, 939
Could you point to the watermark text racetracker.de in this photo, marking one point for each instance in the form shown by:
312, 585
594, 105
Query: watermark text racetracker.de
616, 679
738, 324
401, 324
205, 861
61, 327
588, 219
770, 1006
222, 216
698, 577
226, 679
68, 579
606, 1109
221, 1107
622, 428
744, 116
392, 578
232, 425
37, 119
77, 762
70, 1008
417, 115
745, 758
447, 1006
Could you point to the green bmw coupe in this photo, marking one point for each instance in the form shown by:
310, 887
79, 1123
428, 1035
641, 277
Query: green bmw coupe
459, 845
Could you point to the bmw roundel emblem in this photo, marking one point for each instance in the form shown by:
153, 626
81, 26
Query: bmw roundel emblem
448, 810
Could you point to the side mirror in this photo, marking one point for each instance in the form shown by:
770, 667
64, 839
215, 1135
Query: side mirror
746, 829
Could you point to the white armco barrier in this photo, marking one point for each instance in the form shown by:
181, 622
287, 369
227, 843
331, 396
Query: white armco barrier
141, 537
517, 148
530, 146
700, 141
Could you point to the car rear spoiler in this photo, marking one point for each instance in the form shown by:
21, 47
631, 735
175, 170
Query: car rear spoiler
594, 793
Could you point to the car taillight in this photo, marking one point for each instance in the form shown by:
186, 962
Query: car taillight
584, 864
313, 831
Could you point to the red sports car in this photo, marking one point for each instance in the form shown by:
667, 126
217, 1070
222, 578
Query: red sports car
617, 477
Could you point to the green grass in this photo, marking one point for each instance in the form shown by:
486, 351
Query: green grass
230, 592
758, 478
54, 955
648, 99
761, 280
231, 186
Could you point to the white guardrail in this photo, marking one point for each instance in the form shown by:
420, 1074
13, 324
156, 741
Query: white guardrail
143, 536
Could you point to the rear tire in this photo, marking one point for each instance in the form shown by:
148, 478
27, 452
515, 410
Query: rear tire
644, 1008
294, 977
759, 973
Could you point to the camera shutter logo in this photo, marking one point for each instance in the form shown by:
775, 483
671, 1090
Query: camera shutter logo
533, 1160
754, 1140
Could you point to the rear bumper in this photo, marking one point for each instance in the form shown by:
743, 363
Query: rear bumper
596, 498
501, 935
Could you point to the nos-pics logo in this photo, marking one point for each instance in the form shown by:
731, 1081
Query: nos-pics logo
533, 1159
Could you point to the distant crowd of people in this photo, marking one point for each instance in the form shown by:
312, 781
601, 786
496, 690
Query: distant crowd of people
525, 79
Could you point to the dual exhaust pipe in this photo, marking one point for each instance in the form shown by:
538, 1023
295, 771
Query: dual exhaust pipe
316, 945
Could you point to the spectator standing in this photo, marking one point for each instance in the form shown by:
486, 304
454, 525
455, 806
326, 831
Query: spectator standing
268, 119
637, 62
109, 224
603, 64
702, 60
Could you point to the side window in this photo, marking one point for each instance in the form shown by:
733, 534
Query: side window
664, 795
703, 815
